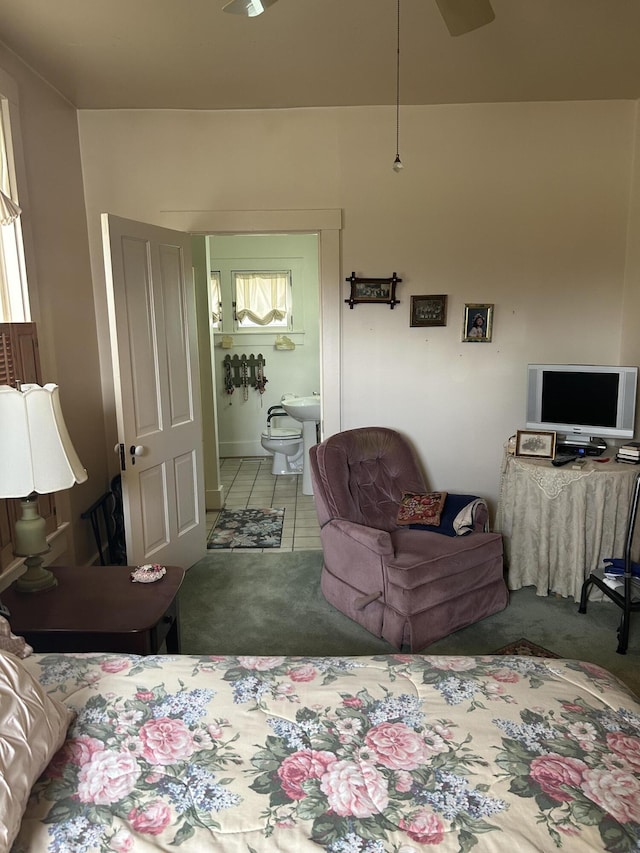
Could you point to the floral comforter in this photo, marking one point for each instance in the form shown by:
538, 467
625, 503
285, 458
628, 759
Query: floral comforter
398, 753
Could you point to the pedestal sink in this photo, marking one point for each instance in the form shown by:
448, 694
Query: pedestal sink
307, 411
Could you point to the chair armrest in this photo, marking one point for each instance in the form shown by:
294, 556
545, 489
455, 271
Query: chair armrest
377, 541
477, 517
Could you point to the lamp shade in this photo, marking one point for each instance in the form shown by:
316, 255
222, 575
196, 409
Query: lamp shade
36, 453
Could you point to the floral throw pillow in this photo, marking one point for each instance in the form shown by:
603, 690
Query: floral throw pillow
421, 509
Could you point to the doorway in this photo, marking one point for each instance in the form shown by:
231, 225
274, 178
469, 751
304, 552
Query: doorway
290, 367
327, 225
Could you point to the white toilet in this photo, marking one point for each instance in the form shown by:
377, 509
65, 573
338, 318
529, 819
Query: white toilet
286, 445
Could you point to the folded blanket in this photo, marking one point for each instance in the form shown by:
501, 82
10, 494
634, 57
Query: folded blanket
459, 516
465, 520
615, 566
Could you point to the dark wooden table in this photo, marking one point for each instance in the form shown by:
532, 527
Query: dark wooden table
99, 609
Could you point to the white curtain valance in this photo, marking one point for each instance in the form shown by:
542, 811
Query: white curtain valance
261, 297
9, 210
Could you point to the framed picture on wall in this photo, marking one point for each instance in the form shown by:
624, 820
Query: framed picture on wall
477, 325
536, 444
429, 310
380, 290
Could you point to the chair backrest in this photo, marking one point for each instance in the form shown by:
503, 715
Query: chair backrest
362, 474
107, 520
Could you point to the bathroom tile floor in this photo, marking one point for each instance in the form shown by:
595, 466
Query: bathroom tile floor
248, 482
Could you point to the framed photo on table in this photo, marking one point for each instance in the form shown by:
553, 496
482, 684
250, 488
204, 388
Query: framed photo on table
535, 444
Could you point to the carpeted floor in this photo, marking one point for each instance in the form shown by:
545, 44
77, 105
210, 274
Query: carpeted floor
248, 602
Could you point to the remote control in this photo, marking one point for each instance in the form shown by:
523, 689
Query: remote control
563, 460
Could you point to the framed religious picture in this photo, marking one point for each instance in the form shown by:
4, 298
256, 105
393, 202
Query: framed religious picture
535, 443
477, 326
428, 310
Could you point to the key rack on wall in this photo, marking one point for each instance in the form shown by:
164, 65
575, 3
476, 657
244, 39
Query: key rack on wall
243, 371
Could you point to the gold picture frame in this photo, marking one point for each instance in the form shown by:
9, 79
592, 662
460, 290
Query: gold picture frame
477, 326
535, 444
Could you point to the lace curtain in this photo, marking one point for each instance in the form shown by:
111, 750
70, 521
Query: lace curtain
14, 304
9, 210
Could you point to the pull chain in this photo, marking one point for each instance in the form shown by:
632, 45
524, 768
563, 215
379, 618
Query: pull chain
397, 163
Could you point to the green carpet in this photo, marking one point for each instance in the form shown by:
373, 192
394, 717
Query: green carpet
250, 603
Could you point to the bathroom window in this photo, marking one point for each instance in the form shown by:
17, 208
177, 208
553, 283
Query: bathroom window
14, 299
216, 300
262, 299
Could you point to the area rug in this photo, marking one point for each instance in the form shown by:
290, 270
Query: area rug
248, 528
526, 648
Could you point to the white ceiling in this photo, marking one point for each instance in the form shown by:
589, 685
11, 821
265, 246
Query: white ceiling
188, 54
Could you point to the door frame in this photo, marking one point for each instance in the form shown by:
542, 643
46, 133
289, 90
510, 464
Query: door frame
327, 224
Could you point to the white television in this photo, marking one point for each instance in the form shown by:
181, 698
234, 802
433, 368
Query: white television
582, 401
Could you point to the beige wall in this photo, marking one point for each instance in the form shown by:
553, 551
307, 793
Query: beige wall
534, 207
520, 205
55, 225
630, 313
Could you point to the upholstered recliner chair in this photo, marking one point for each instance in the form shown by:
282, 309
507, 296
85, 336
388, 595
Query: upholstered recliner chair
409, 586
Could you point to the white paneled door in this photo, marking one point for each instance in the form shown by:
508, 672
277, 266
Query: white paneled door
152, 322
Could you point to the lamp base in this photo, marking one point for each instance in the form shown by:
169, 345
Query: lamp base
36, 578
31, 542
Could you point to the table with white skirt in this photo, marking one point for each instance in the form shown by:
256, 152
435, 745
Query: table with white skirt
558, 523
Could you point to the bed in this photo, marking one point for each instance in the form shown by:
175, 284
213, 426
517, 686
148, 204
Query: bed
398, 753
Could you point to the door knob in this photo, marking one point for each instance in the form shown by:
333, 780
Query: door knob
136, 450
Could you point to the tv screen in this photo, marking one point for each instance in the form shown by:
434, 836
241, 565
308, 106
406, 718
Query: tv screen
582, 400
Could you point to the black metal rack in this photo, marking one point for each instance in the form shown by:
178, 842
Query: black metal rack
624, 600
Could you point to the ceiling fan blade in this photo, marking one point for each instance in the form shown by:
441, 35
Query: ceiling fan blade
462, 16
249, 8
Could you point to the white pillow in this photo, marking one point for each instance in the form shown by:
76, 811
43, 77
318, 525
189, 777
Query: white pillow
10, 643
33, 727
